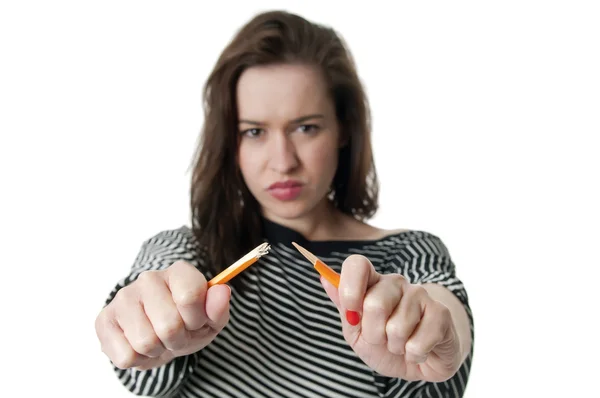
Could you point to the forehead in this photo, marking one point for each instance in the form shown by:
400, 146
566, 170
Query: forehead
284, 91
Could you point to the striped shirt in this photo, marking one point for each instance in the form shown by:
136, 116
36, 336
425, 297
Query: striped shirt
284, 337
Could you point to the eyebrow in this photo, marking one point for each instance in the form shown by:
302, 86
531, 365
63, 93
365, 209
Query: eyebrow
295, 121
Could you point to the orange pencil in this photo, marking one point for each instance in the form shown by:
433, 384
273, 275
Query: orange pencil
322, 268
228, 273
353, 317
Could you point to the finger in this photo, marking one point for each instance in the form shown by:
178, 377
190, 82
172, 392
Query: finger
379, 303
149, 363
357, 275
137, 329
162, 312
431, 331
217, 306
114, 344
188, 289
332, 292
405, 318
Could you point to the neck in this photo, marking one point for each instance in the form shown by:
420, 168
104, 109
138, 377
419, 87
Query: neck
322, 223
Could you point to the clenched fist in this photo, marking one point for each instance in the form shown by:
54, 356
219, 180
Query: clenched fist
397, 328
162, 315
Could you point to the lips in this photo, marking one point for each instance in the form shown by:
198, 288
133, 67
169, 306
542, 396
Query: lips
286, 190
285, 184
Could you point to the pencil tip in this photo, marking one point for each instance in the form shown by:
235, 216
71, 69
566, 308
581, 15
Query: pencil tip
263, 249
309, 256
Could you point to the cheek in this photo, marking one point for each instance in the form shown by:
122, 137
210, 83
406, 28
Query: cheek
323, 161
244, 162
249, 165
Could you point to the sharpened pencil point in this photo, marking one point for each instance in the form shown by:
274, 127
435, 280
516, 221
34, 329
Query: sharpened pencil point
309, 256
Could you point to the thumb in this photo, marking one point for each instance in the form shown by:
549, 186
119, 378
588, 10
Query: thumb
332, 292
352, 317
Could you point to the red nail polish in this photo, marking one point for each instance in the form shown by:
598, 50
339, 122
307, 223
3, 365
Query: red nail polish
352, 317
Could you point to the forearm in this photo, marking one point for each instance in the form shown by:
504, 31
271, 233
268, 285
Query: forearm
161, 381
458, 312
167, 375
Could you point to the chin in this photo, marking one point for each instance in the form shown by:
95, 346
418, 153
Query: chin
289, 211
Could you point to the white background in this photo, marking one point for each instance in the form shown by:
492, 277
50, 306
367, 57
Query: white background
486, 120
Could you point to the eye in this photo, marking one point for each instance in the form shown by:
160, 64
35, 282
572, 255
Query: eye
252, 132
308, 128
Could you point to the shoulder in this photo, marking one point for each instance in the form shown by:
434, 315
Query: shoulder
403, 239
182, 236
170, 245
366, 231
419, 255
415, 242
159, 251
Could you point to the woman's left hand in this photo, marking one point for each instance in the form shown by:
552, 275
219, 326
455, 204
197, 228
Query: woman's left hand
397, 329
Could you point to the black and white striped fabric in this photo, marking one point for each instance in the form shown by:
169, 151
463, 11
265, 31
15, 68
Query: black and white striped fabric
284, 337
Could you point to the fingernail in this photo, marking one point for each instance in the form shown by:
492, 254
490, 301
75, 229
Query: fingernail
352, 317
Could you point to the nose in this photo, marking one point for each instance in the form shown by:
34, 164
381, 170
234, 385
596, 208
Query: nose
283, 158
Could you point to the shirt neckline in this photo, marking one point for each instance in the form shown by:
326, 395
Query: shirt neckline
276, 233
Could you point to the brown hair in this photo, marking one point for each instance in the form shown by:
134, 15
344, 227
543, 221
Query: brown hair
226, 218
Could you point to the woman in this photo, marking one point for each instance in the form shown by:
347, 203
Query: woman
286, 157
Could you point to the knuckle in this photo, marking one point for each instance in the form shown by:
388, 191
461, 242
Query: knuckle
124, 359
147, 345
443, 311
189, 297
177, 265
180, 265
350, 295
439, 311
416, 291
395, 331
170, 329
101, 322
419, 290
125, 296
104, 323
374, 306
397, 279
149, 276
354, 262
415, 348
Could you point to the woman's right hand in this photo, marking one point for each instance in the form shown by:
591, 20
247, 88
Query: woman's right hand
162, 315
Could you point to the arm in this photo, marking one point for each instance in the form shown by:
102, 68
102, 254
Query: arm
428, 299
458, 312
158, 253
162, 381
456, 385
434, 269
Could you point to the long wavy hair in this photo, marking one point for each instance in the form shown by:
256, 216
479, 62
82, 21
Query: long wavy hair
226, 218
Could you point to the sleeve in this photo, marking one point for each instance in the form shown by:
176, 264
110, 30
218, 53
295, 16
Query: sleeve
427, 260
156, 253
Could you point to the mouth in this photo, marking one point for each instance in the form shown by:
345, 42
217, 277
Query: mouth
285, 184
285, 190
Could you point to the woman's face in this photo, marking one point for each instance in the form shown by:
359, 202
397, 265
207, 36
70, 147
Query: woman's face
289, 138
